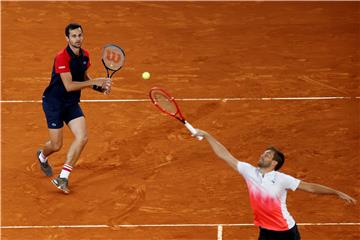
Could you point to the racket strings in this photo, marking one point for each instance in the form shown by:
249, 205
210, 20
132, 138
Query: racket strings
164, 102
113, 57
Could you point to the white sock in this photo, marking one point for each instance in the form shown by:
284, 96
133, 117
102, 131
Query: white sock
66, 170
42, 157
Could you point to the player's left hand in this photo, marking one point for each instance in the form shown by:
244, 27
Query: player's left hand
347, 198
106, 86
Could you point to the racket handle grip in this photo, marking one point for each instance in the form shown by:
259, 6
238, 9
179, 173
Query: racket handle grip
97, 88
192, 130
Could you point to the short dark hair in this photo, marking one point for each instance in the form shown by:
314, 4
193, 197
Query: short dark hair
278, 156
71, 26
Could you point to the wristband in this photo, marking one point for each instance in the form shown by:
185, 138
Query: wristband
97, 88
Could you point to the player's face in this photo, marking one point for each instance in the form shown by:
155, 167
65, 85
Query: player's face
266, 159
75, 38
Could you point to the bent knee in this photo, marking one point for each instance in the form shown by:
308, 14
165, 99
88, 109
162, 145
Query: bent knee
56, 146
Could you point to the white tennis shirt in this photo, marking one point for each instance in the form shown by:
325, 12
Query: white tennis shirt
268, 196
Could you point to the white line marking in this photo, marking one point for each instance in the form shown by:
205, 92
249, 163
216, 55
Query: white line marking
21, 101
219, 232
329, 224
264, 99
116, 100
197, 99
171, 225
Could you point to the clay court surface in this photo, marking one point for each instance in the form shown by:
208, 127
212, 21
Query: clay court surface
141, 167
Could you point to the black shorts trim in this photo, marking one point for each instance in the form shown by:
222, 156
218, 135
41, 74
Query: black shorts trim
291, 234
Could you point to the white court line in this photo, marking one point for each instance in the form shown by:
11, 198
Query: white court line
220, 232
170, 225
196, 99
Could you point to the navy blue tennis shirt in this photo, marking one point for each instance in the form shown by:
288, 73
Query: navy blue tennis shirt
66, 61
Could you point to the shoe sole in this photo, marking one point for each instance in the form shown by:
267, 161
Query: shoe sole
58, 187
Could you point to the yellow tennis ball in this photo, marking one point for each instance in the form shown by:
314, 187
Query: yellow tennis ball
146, 75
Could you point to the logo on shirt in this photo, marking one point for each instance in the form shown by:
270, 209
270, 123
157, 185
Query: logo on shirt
61, 67
84, 62
53, 124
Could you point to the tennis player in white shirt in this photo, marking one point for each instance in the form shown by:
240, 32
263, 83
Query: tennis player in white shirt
267, 189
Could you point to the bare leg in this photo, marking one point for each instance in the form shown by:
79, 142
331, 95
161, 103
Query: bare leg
55, 142
51, 146
78, 128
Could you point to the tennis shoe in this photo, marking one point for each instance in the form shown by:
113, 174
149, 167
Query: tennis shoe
45, 166
61, 183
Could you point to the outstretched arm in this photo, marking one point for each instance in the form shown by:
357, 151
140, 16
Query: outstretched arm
219, 149
320, 189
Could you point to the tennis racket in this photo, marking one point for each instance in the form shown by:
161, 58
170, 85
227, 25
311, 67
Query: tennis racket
113, 58
167, 104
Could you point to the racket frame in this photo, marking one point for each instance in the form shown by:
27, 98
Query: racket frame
177, 115
106, 67
172, 99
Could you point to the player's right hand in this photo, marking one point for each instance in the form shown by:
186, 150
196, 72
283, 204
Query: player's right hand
104, 83
106, 86
200, 133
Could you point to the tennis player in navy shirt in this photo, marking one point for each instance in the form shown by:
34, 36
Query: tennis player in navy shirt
61, 103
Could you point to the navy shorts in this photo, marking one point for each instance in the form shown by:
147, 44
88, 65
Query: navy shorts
291, 234
56, 115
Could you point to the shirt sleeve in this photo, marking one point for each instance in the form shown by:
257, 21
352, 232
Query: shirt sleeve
290, 182
61, 64
244, 168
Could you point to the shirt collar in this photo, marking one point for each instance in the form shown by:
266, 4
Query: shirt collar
72, 54
269, 174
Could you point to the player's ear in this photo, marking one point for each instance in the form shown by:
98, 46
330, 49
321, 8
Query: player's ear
274, 163
67, 39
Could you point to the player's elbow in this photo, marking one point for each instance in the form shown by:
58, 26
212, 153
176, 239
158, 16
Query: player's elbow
231, 162
68, 87
311, 189
308, 187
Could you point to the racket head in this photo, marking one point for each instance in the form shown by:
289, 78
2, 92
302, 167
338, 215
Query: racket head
113, 57
165, 102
